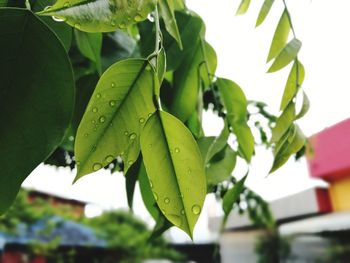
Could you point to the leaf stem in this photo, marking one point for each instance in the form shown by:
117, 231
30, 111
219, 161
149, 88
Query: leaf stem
28, 5
158, 31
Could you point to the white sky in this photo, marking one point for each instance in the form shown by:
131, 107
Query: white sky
322, 26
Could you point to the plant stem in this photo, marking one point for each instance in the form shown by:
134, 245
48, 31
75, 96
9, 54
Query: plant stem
158, 31
28, 5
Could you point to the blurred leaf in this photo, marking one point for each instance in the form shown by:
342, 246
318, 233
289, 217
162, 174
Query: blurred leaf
167, 12
305, 107
291, 89
221, 170
218, 144
264, 11
36, 116
100, 16
3, 3
117, 111
243, 7
90, 45
195, 125
235, 103
283, 122
287, 55
174, 169
280, 37
232, 197
294, 142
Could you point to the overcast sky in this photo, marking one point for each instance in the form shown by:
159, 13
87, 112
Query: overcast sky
322, 26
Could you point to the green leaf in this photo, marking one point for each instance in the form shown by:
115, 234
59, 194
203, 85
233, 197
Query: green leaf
232, 197
62, 30
305, 107
218, 144
161, 69
147, 195
235, 103
195, 125
167, 12
221, 170
173, 163
243, 7
117, 111
291, 89
280, 37
187, 80
131, 177
283, 122
264, 11
90, 45
294, 142
3, 3
36, 97
287, 55
100, 15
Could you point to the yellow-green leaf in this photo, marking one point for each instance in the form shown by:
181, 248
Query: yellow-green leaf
115, 116
283, 122
305, 107
235, 103
287, 55
264, 11
280, 37
100, 15
174, 165
243, 7
291, 89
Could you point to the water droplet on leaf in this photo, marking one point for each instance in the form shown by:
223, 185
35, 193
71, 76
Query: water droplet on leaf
132, 136
95, 109
142, 120
97, 166
109, 159
196, 209
167, 200
102, 119
112, 103
175, 219
98, 95
177, 150
138, 18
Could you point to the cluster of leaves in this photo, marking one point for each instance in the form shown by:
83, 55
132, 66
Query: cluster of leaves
125, 235
139, 87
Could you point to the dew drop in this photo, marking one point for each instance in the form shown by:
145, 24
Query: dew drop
97, 166
163, 211
122, 25
57, 19
151, 183
78, 26
102, 119
95, 129
132, 136
86, 134
138, 18
98, 95
112, 84
167, 200
196, 209
189, 171
155, 196
182, 212
95, 109
182, 196
142, 120
130, 162
66, 4
47, 7
93, 121
126, 133
113, 23
112, 103
109, 159
177, 150
149, 115
71, 138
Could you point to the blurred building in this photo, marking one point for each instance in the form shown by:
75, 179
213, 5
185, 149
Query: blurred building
316, 222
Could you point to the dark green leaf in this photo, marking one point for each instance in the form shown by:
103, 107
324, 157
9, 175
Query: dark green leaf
100, 15
287, 55
187, 80
280, 37
235, 103
243, 7
3, 3
117, 111
264, 11
36, 97
232, 196
167, 12
131, 177
90, 45
291, 89
173, 163
62, 30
